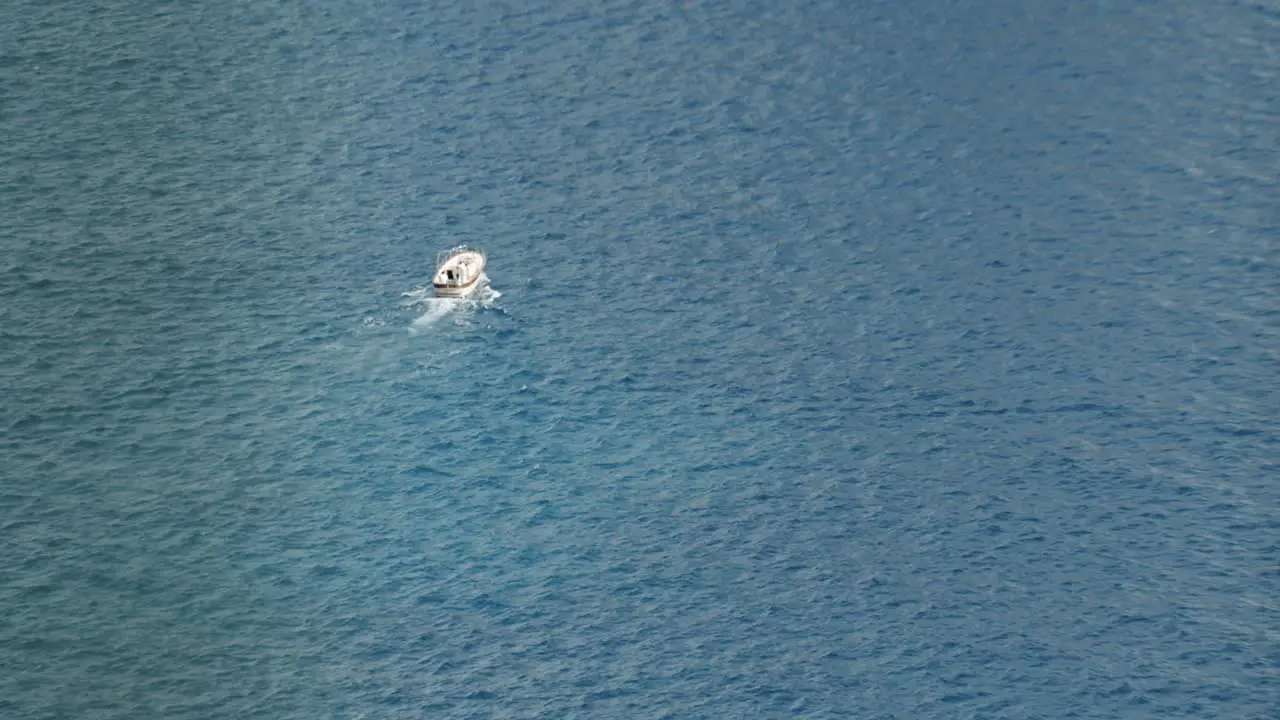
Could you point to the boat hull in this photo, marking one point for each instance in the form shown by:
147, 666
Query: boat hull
457, 290
459, 272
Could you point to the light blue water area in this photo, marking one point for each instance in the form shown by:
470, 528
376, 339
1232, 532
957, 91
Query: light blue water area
858, 360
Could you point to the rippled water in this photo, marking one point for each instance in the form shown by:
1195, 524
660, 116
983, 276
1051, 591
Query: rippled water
866, 360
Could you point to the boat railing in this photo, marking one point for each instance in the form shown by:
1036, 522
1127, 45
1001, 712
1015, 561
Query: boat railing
443, 256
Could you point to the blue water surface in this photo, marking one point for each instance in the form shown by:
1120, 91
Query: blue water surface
840, 359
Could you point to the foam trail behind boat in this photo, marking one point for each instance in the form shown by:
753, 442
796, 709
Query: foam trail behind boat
437, 307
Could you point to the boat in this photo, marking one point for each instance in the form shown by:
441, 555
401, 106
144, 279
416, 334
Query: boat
458, 271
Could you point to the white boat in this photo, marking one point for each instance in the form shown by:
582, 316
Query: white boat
458, 271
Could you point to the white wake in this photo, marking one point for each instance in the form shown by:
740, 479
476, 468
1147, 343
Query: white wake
436, 309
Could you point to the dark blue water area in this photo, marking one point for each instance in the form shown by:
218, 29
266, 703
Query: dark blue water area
839, 360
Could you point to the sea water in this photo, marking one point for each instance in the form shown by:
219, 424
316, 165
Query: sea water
839, 360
